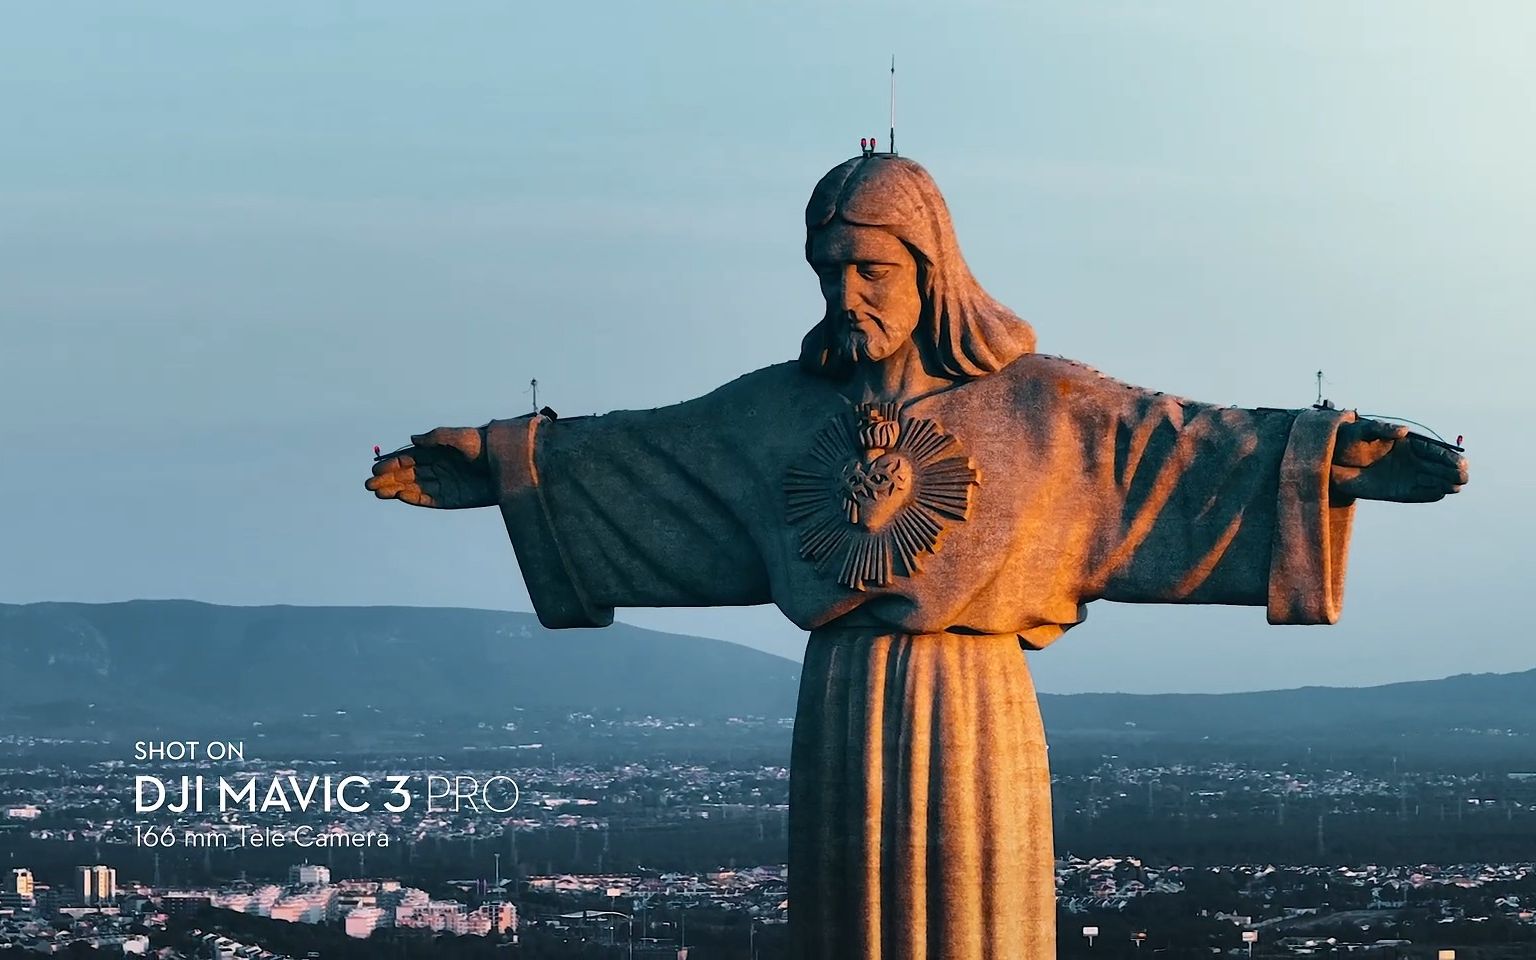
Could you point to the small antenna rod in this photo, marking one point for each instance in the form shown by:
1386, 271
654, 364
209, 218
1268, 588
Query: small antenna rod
534, 383
892, 140
1319, 388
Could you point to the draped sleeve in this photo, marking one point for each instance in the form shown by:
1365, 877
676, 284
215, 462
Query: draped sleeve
633, 508
1220, 505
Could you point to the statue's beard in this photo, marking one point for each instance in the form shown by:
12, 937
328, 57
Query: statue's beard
861, 340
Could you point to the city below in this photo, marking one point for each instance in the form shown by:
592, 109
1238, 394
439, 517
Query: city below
613, 849
477, 786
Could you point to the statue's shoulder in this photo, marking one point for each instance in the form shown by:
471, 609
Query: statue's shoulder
779, 383
1046, 367
778, 390
1038, 377
773, 375
1069, 383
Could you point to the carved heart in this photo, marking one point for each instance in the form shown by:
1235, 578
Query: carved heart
876, 488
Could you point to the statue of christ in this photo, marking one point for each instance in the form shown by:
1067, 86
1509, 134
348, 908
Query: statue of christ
928, 497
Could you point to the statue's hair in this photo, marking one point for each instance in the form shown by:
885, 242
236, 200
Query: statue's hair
962, 332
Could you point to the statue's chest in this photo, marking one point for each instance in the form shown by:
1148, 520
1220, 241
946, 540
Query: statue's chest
876, 493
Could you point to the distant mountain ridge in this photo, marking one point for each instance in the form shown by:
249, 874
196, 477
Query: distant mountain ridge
248, 661
208, 661
1466, 702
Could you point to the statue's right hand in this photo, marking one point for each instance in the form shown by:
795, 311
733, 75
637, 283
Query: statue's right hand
444, 468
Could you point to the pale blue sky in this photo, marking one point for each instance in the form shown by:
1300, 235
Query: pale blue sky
239, 247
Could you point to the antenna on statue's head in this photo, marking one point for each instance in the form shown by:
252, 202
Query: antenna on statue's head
869, 146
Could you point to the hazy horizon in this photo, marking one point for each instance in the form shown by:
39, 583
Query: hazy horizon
240, 247
622, 622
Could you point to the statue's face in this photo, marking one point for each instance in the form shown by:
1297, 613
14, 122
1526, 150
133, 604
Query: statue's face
869, 280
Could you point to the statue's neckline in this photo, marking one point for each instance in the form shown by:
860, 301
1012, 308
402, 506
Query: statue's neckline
903, 403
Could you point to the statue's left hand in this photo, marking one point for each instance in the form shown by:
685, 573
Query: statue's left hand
1373, 460
444, 468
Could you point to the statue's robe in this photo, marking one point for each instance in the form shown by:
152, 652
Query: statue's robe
920, 822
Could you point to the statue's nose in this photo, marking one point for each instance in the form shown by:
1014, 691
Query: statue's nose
847, 299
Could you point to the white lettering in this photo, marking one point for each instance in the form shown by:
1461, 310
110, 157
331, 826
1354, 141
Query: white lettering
139, 783
231, 797
341, 794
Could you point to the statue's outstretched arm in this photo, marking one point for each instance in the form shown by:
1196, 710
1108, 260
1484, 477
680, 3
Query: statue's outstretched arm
1232, 506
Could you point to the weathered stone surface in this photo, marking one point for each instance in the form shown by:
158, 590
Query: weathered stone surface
926, 495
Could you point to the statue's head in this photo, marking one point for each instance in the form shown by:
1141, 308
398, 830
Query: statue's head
879, 237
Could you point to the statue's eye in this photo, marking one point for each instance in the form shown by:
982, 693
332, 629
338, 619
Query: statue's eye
873, 271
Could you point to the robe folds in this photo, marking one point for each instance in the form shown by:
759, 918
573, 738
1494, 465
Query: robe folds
920, 823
